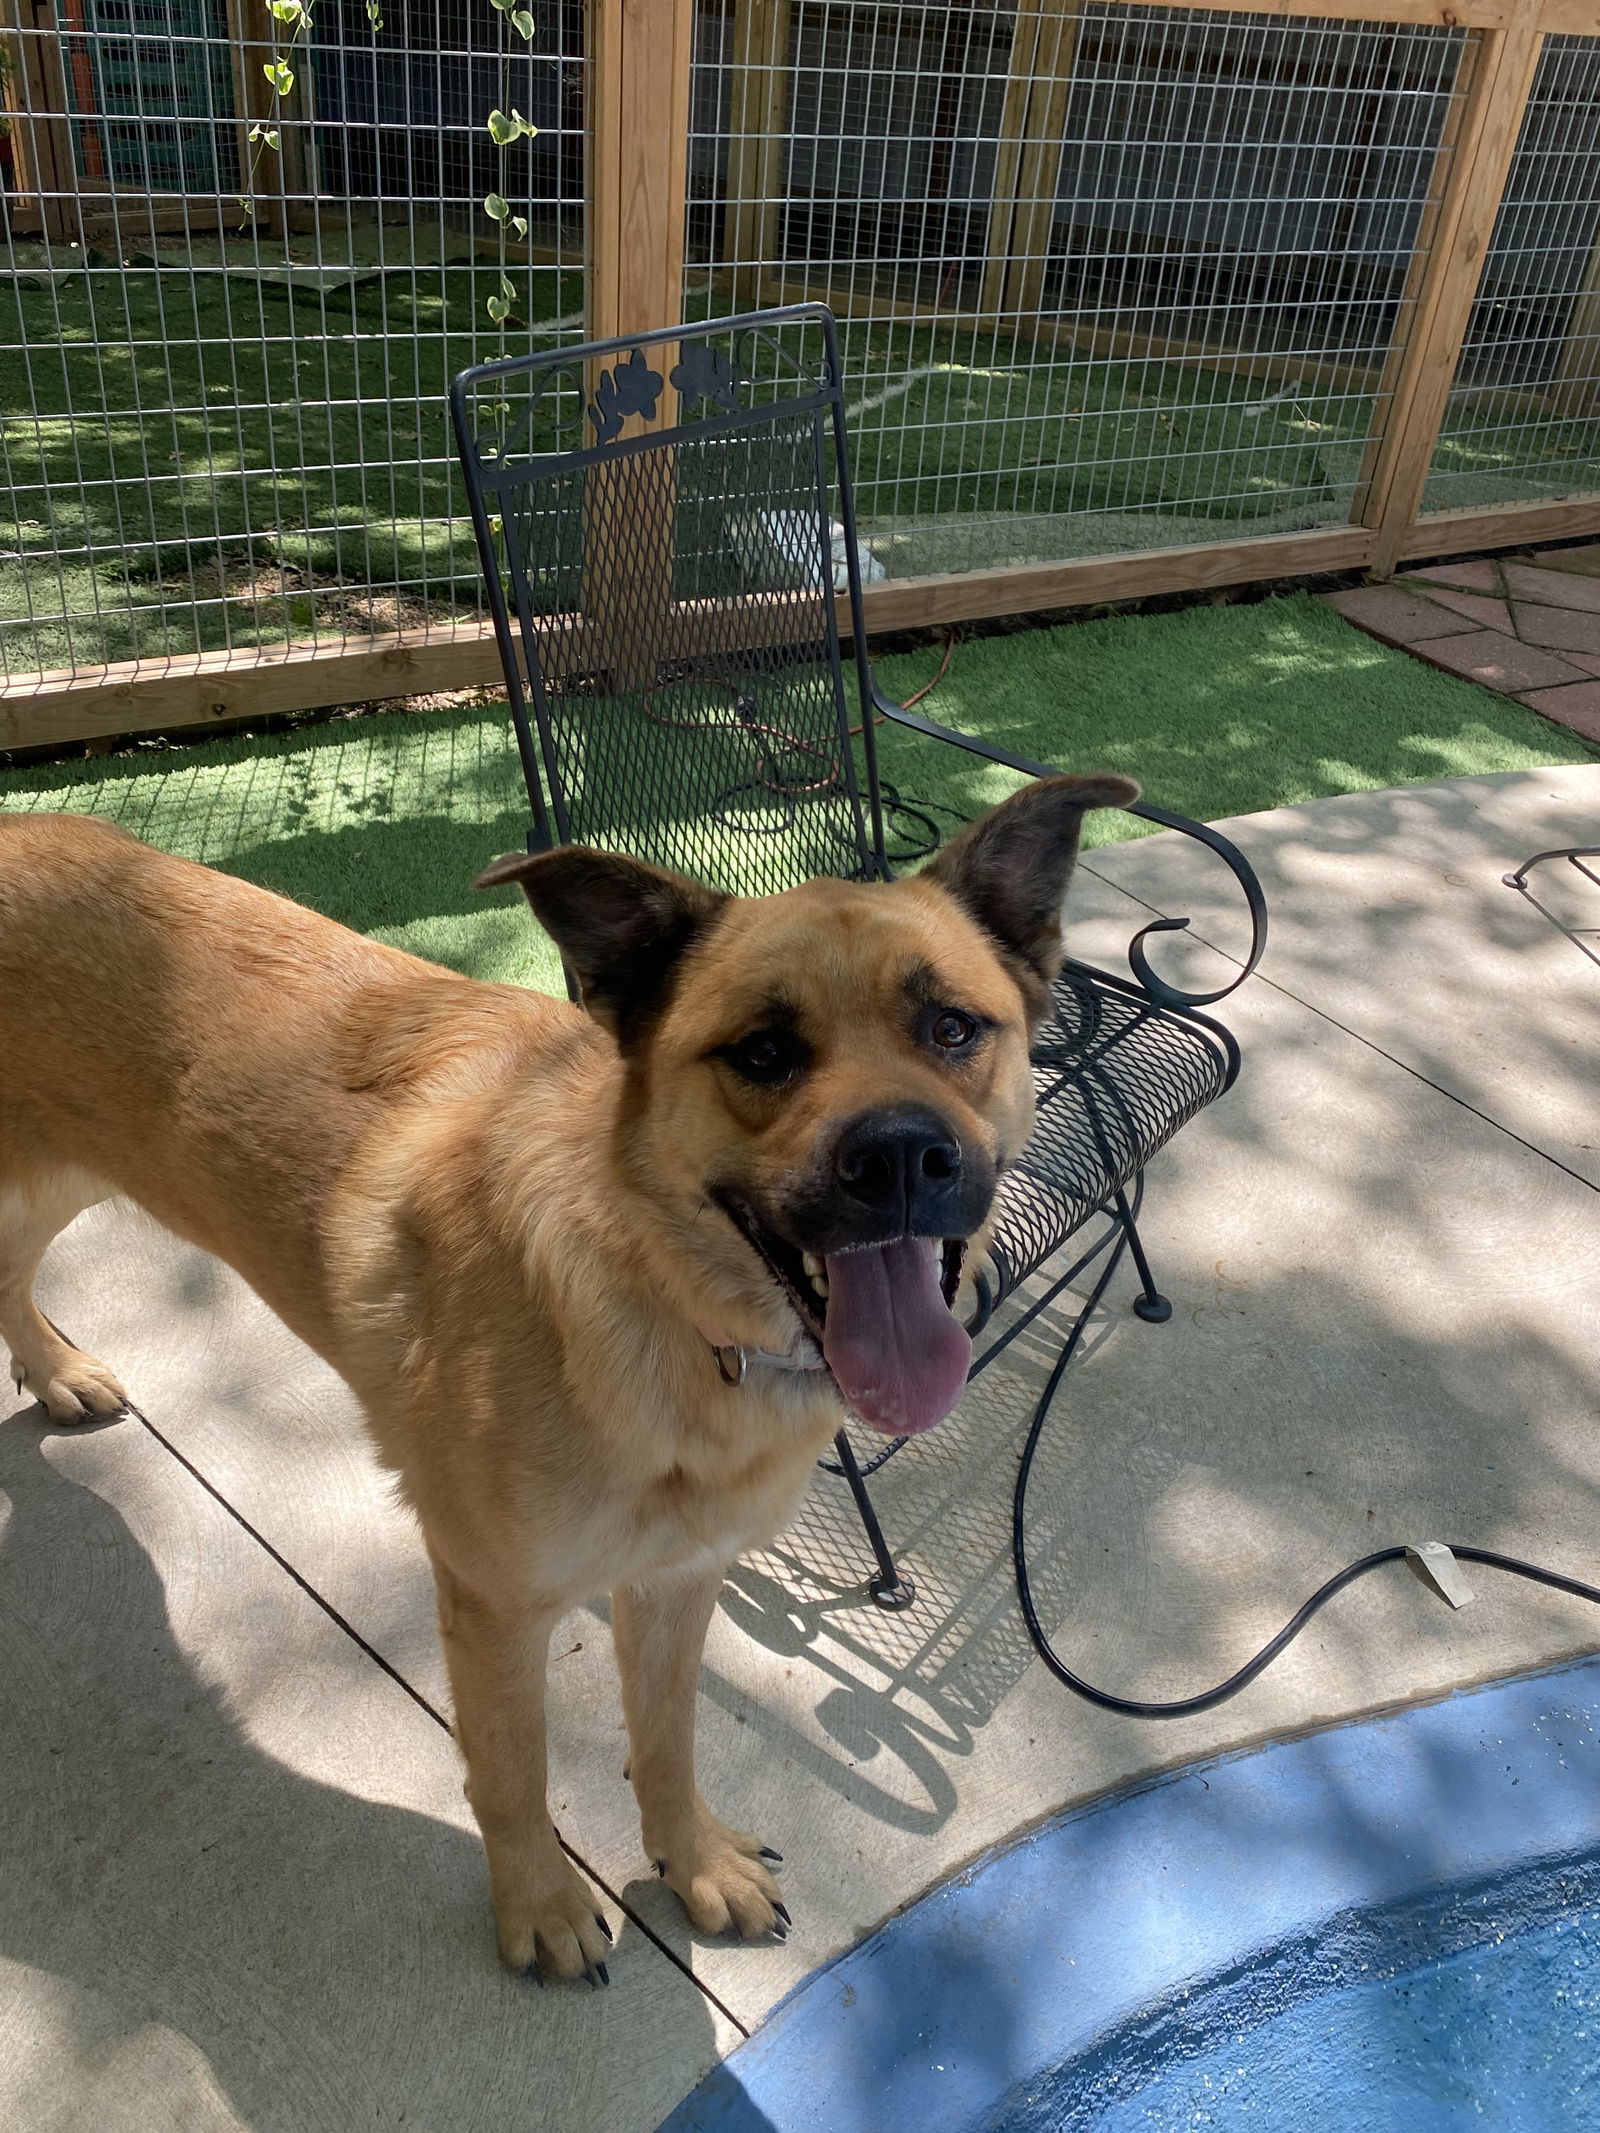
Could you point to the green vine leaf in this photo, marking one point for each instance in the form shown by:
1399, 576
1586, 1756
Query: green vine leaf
519, 224
504, 128
280, 75
523, 21
495, 207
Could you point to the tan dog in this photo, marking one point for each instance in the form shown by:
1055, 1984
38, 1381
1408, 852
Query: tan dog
535, 1241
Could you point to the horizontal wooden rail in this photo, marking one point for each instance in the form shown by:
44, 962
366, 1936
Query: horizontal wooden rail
918, 603
229, 688
1443, 533
1576, 18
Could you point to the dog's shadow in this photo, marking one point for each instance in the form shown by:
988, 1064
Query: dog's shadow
194, 1933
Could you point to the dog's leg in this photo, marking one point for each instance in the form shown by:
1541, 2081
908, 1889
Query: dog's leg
659, 1631
497, 1654
72, 1385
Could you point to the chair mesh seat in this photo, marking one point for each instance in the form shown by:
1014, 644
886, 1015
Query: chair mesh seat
1115, 1077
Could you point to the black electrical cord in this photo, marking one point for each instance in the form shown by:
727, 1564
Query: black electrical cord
1207, 1699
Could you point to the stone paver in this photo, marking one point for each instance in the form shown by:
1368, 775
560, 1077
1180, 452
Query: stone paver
1538, 625
1551, 588
1498, 661
1488, 613
1560, 629
1382, 1332
1395, 616
1585, 561
1577, 704
1467, 577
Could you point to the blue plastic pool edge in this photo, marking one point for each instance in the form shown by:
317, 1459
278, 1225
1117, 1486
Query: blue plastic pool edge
1038, 1949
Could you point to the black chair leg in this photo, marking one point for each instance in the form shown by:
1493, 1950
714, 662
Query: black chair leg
1152, 1305
888, 1585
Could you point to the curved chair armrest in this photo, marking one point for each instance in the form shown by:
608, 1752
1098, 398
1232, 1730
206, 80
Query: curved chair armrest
1244, 873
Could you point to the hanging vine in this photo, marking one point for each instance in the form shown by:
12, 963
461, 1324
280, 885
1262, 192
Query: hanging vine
504, 128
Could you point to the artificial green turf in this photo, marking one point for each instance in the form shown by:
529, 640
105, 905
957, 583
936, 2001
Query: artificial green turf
160, 420
383, 822
172, 429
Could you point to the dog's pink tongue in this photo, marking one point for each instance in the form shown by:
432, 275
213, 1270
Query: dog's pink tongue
900, 1358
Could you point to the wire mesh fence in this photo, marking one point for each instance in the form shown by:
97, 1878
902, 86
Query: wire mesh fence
224, 361
1112, 278
1524, 411
1116, 278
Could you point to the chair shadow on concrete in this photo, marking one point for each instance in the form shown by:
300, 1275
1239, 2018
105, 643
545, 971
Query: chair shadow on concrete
195, 1934
1380, 1337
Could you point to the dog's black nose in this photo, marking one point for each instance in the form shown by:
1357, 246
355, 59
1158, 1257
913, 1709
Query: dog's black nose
904, 1164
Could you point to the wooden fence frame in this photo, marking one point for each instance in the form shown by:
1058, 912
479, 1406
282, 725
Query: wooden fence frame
640, 125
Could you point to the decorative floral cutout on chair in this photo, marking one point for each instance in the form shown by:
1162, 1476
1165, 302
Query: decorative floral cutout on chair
630, 388
705, 373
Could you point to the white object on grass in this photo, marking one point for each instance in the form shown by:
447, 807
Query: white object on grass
788, 539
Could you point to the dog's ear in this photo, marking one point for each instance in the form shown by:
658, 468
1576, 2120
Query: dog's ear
621, 925
1010, 868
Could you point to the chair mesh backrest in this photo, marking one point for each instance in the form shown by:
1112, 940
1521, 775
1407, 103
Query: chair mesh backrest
663, 521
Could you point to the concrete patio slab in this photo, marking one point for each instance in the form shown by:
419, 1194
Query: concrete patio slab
242, 1889
1383, 1332
1389, 914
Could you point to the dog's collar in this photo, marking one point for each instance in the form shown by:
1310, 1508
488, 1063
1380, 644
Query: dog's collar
734, 1362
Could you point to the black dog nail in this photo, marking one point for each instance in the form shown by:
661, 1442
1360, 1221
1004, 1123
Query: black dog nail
767, 1853
783, 1914
605, 1929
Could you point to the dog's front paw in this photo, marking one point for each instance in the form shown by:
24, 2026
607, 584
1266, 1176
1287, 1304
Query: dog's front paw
718, 1875
69, 1385
550, 1928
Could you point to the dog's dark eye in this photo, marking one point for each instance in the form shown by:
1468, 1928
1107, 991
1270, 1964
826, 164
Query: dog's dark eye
952, 1029
766, 1056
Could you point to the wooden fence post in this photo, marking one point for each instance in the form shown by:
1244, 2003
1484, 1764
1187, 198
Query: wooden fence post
1499, 85
1576, 393
45, 175
640, 57
640, 53
762, 36
1028, 161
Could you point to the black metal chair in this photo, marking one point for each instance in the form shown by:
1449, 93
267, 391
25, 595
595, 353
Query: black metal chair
665, 523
